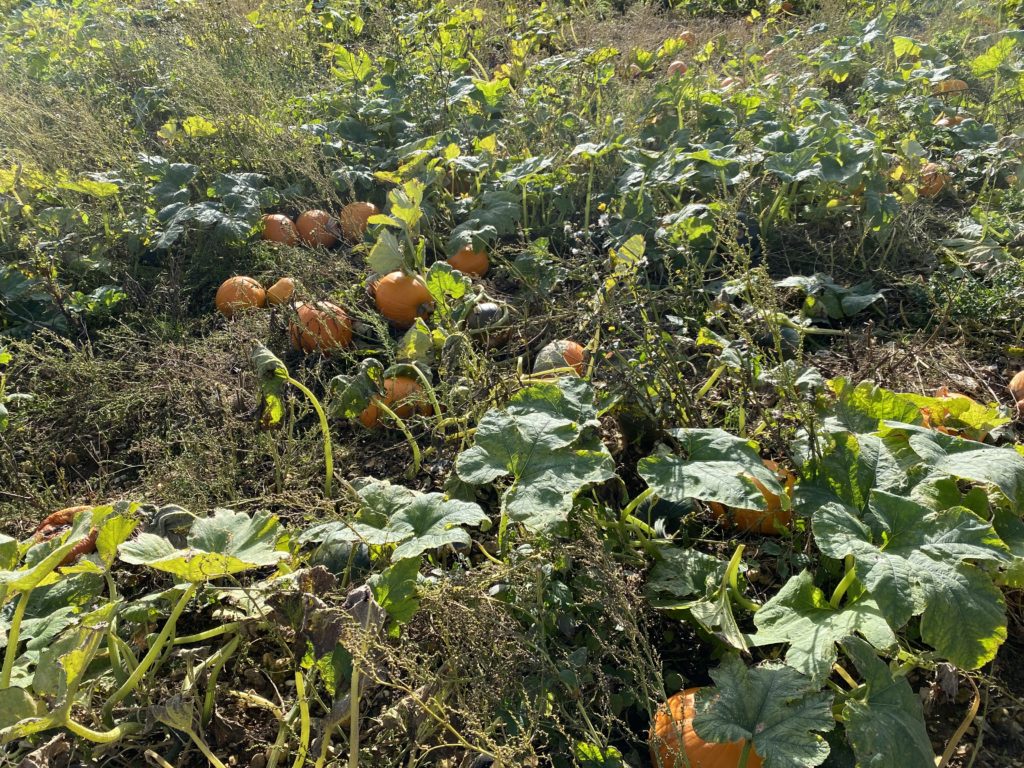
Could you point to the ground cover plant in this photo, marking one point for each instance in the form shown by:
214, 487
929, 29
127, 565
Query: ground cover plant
510, 383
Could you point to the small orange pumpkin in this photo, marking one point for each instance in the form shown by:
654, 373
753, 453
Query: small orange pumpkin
237, 293
323, 326
687, 37
948, 121
933, 180
559, 354
354, 219
1016, 388
401, 298
766, 521
729, 82
675, 744
470, 262
281, 292
279, 229
54, 524
948, 86
317, 228
677, 68
401, 394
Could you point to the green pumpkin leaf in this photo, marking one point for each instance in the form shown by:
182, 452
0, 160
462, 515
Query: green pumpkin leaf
885, 724
773, 706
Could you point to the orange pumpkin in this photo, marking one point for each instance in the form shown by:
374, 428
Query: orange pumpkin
470, 262
401, 298
728, 82
933, 180
317, 228
766, 521
354, 219
323, 326
677, 68
948, 121
237, 293
279, 229
948, 86
401, 394
675, 744
54, 524
1017, 389
559, 354
281, 292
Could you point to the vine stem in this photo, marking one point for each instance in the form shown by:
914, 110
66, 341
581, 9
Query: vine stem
101, 737
732, 574
303, 702
324, 428
842, 586
209, 634
416, 456
150, 658
745, 754
13, 639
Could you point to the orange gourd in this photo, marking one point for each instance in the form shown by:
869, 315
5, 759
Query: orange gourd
54, 524
237, 293
675, 744
281, 292
559, 354
401, 394
279, 229
933, 180
401, 298
317, 228
322, 326
948, 121
677, 68
470, 262
948, 86
354, 219
766, 521
1017, 389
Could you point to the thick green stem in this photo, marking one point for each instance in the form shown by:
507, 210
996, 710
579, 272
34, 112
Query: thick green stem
150, 658
353, 718
714, 377
209, 634
429, 389
13, 639
207, 752
745, 754
636, 502
303, 702
102, 737
842, 586
325, 428
216, 665
413, 445
732, 576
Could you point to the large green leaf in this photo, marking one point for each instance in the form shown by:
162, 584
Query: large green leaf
226, 543
913, 560
885, 724
774, 706
538, 440
17, 704
800, 615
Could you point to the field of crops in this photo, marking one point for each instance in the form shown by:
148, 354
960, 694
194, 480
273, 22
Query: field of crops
581, 383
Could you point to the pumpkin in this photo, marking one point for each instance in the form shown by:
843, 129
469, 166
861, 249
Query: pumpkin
687, 37
316, 227
1017, 389
635, 71
54, 524
728, 82
401, 298
933, 180
237, 293
470, 262
948, 121
675, 744
766, 521
401, 394
281, 292
560, 354
354, 218
322, 326
279, 229
948, 86
677, 68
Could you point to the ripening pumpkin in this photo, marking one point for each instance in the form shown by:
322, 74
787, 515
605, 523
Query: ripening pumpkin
687, 37
470, 262
354, 219
728, 82
933, 180
948, 86
237, 293
317, 228
401, 298
279, 229
675, 744
768, 521
948, 121
677, 68
281, 292
322, 326
54, 524
402, 394
560, 354
1017, 389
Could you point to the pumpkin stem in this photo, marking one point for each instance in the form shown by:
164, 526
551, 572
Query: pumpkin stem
731, 577
842, 586
325, 429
